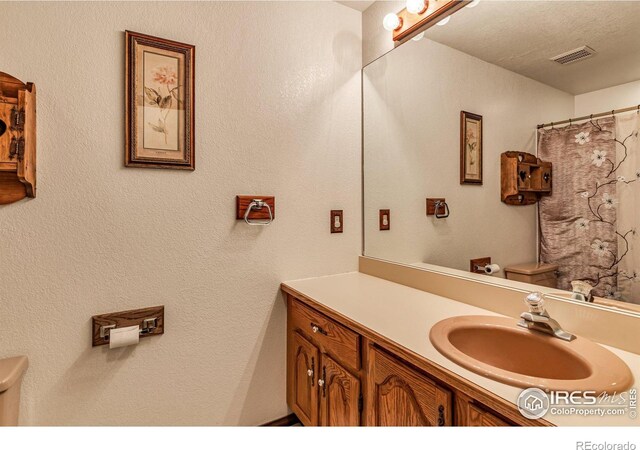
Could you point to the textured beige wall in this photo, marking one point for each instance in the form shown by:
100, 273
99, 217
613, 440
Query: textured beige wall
412, 102
277, 112
616, 97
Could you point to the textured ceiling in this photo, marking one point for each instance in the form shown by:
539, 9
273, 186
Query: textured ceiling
356, 4
522, 35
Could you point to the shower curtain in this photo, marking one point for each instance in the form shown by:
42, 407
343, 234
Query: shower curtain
587, 225
627, 128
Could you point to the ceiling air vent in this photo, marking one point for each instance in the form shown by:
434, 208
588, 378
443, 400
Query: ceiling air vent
574, 55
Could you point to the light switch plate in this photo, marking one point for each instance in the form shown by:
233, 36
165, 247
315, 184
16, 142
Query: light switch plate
337, 223
385, 219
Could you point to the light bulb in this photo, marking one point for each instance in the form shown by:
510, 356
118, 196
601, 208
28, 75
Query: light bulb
418, 37
391, 22
416, 6
444, 21
473, 4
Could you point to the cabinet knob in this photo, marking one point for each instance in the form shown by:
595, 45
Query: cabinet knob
309, 373
321, 382
315, 328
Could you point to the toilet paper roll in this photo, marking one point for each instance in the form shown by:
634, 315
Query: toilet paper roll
121, 337
491, 269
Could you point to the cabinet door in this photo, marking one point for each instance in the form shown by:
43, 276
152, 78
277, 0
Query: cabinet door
304, 376
402, 396
339, 393
480, 418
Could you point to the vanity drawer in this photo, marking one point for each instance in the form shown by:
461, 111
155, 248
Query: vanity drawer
332, 337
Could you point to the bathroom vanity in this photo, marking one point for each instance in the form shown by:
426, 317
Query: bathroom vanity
358, 353
340, 373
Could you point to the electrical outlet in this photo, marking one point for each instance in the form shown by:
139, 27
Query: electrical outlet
385, 219
337, 222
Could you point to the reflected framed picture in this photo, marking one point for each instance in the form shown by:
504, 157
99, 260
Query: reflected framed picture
159, 103
470, 148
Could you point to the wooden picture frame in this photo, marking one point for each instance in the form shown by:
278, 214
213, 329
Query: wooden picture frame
471, 136
159, 106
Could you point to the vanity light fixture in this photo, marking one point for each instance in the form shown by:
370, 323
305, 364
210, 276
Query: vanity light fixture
392, 22
417, 6
419, 15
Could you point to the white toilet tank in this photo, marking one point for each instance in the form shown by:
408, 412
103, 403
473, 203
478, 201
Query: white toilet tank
11, 373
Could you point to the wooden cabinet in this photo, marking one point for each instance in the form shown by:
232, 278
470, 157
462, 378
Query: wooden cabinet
341, 374
401, 396
524, 178
323, 386
17, 139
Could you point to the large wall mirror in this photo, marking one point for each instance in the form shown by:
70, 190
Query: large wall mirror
541, 95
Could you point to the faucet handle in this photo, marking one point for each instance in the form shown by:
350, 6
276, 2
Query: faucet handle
535, 302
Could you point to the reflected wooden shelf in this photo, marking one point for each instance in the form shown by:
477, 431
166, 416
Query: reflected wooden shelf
524, 178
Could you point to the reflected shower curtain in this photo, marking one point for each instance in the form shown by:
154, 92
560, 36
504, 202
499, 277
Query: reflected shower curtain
588, 225
628, 151
577, 222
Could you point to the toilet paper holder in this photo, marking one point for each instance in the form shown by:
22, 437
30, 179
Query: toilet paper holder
148, 325
150, 322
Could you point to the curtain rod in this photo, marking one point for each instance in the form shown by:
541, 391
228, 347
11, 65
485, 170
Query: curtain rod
591, 116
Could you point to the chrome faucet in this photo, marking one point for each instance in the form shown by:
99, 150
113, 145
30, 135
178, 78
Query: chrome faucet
538, 318
581, 290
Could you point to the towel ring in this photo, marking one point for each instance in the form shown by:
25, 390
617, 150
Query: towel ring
257, 204
437, 206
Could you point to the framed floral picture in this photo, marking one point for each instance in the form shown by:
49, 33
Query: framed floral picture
470, 148
159, 103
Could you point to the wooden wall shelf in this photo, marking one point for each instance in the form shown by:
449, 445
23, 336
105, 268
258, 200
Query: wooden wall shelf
17, 139
524, 178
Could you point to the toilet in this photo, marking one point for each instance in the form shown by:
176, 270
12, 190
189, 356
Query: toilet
540, 274
11, 373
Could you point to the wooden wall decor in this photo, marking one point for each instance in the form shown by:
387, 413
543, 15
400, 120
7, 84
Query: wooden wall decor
436, 11
127, 319
524, 178
159, 103
17, 139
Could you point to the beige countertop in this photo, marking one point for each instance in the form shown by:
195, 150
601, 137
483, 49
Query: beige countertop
405, 315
